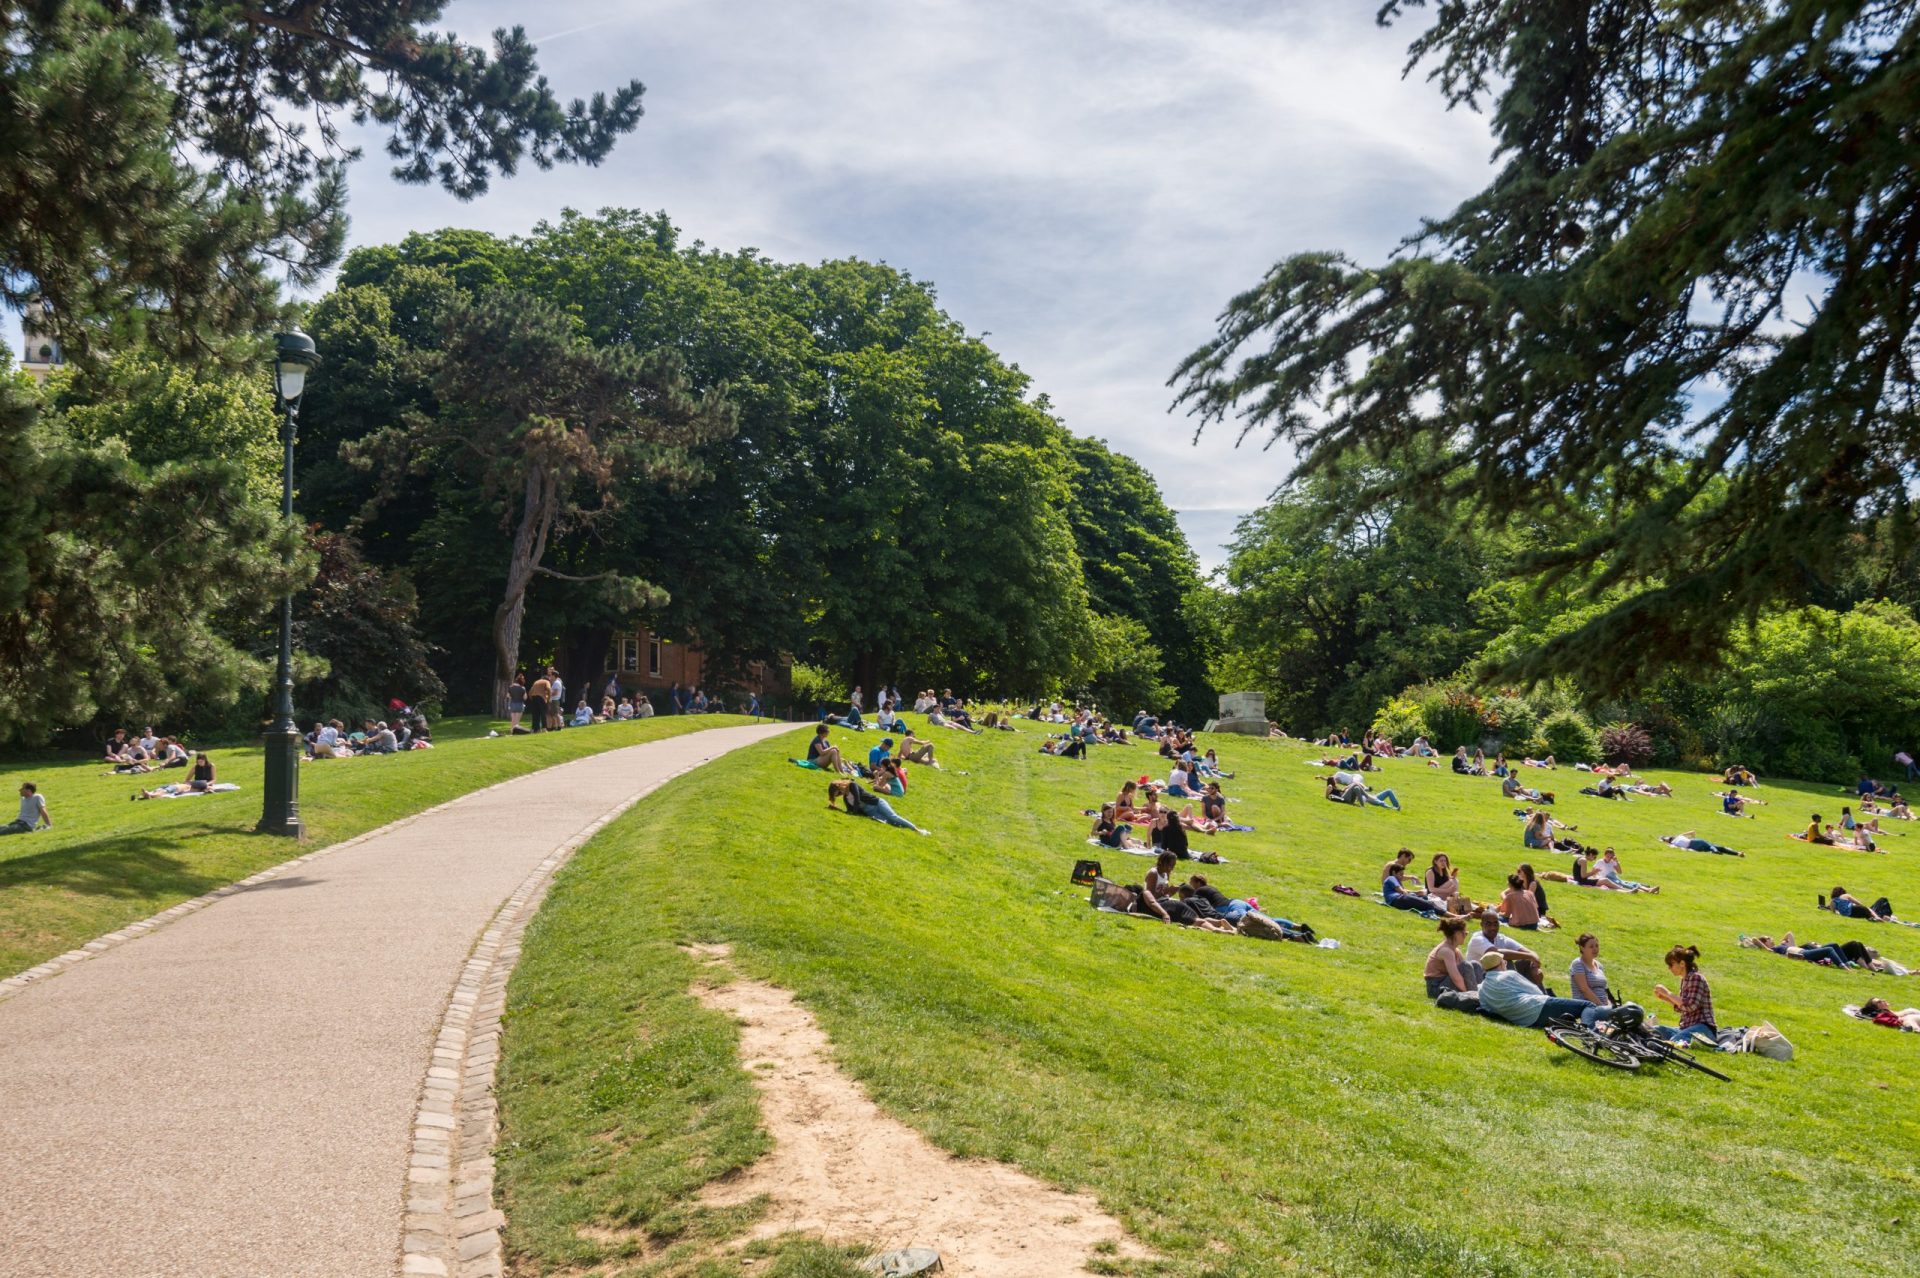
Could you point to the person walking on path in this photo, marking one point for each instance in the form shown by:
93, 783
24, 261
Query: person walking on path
33, 812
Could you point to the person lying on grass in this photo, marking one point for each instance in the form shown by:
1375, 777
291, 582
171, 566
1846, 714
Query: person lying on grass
938, 718
1735, 804
1847, 905
1583, 874
1881, 1012
1828, 954
1688, 841
1515, 999
1511, 788
1532, 762
1489, 937
1230, 908
1346, 787
1898, 811
1609, 869
859, 801
1656, 789
1109, 831
181, 790
1693, 1004
1445, 968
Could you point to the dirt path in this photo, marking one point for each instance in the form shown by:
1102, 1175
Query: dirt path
234, 1093
846, 1171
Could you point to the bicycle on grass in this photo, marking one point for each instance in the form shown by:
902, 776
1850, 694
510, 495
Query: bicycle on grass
1624, 1043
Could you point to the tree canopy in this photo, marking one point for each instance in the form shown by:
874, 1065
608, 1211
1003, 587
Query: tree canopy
160, 157
1690, 292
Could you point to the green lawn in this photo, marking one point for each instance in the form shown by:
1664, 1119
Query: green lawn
108, 862
1246, 1108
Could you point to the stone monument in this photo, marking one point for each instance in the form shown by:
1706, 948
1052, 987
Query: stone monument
1242, 712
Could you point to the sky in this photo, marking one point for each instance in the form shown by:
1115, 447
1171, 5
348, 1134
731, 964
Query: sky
1087, 181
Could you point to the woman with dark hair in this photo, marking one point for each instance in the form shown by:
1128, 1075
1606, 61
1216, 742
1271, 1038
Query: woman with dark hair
859, 801
203, 774
1445, 968
1694, 1002
1110, 833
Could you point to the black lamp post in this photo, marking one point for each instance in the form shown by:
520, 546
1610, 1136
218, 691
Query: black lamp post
293, 356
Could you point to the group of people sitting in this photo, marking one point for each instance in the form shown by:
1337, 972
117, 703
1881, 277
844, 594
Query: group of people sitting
1522, 903
1196, 902
145, 753
1084, 728
620, 709
1506, 980
885, 769
1476, 765
1138, 807
332, 740
1850, 834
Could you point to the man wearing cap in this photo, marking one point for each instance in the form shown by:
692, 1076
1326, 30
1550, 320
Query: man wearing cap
880, 752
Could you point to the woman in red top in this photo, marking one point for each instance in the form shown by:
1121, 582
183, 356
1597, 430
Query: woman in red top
1694, 1003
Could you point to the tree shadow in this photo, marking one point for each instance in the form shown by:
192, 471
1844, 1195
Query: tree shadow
142, 864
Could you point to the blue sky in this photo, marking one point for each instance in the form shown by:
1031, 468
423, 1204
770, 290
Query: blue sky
1087, 180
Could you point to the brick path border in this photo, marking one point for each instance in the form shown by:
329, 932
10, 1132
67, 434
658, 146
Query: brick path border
452, 1227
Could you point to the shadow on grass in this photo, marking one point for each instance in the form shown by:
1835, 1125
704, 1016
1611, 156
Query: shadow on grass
127, 865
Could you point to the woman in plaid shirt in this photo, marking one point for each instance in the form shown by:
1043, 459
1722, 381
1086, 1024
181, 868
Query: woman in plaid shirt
1695, 1000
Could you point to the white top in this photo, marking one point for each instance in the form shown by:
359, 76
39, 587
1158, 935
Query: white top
328, 735
33, 809
1345, 779
1479, 945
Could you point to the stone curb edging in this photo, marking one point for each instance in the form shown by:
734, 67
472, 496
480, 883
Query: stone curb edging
14, 984
452, 1226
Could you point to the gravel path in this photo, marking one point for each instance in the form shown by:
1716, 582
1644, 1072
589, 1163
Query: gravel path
233, 1094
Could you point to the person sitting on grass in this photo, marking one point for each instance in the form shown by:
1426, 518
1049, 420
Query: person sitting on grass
1688, 841
1159, 898
1345, 787
1210, 767
34, 815
1852, 826
880, 753
1605, 789
1394, 891
859, 801
1538, 834
1694, 1002
1518, 908
1609, 869
1445, 968
1490, 937
204, 776
914, 750
1110, 832
1881, 1012
1735, 804
1847, 905
1740, 774
1511, 788
1897, 810
1441, 882
1514, 998
1585, 976
1465, 766
823, 754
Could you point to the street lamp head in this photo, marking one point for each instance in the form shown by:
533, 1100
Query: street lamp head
294, 355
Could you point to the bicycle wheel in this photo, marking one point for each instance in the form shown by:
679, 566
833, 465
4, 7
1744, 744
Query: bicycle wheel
1583, 1042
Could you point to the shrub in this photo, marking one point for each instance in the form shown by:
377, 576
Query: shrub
1401, 720
1625, 743
812, 685
1569, 738
1511, 718
1453, 715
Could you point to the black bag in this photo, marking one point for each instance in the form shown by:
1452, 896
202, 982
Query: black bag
1085, 872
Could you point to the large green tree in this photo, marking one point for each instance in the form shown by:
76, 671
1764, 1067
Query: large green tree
1702, 246
160, 158
548, 429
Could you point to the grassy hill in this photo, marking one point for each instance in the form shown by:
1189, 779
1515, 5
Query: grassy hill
1245, 1107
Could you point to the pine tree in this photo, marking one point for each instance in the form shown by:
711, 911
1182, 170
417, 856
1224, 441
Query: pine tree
1690, 294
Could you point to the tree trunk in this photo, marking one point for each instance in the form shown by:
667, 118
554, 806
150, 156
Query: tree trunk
529, 548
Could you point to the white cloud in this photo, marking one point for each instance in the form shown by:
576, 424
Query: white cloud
1089, 180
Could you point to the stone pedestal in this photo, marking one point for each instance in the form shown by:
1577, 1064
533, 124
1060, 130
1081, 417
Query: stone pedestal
1242, 712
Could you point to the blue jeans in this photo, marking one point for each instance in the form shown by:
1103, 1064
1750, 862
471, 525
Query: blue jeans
1383, 799
1588, 1013
1831, 953
1684, 1033
882, 811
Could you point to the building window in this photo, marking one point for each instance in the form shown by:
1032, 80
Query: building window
629, 654
653, 658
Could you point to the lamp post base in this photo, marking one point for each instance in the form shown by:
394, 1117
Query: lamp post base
280, 808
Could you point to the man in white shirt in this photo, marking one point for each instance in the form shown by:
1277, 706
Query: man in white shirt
147, 740
33, 812
1490, 937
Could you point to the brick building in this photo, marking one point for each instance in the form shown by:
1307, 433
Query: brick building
646, 662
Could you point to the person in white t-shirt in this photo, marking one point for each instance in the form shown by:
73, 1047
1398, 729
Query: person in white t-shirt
1490, 937
33, 812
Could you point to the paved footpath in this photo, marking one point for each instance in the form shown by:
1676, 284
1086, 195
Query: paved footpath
234, 1093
